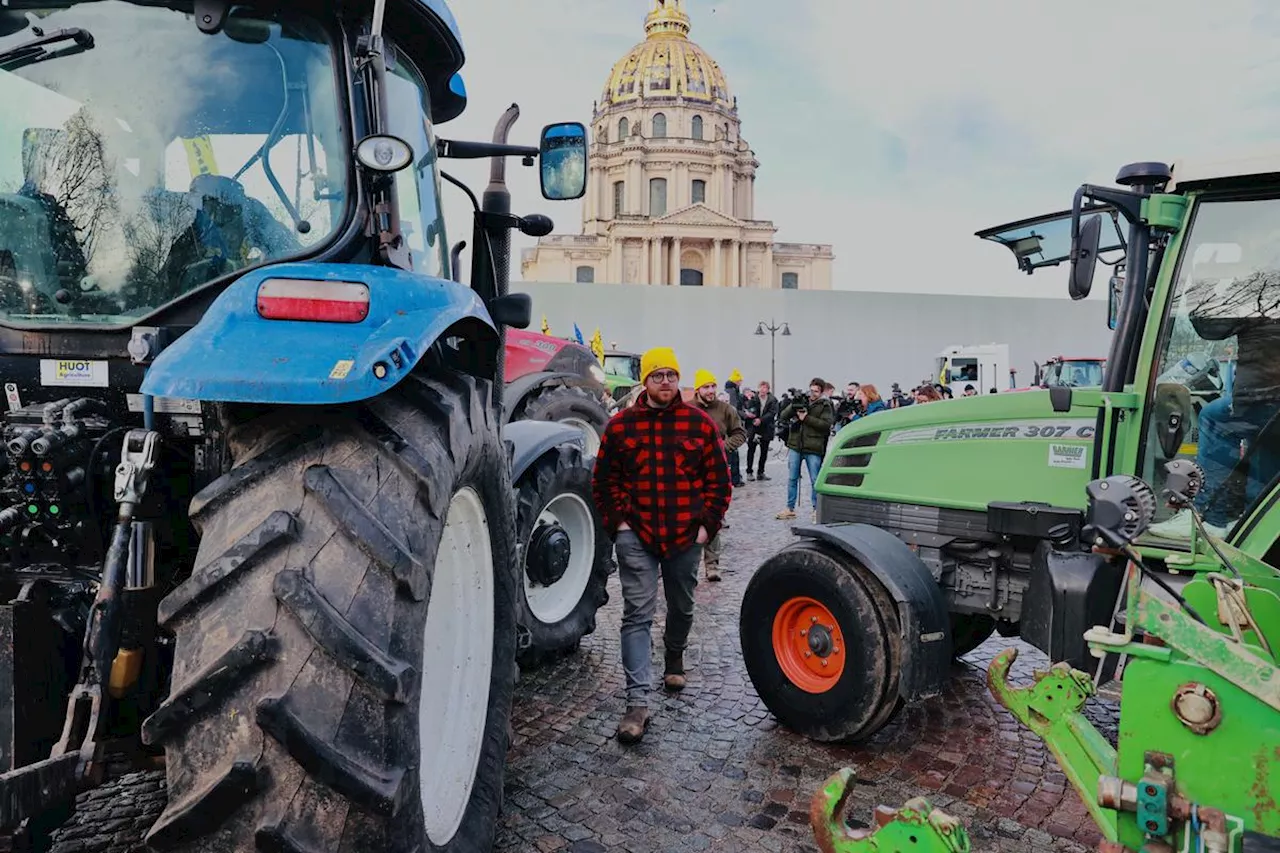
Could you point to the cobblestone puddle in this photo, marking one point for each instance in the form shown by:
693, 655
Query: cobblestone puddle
716, 772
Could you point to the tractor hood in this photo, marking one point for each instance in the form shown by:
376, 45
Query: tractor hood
964, 454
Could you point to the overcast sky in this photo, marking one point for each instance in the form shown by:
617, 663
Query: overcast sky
895, 130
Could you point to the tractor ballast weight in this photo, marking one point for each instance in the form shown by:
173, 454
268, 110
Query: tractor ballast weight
260, 515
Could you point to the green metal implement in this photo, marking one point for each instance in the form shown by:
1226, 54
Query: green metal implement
917, 826
1198, 759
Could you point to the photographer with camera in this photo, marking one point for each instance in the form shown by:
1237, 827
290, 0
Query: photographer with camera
850, 405
808, 423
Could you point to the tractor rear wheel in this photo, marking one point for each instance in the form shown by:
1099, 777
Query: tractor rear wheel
570, 405
567, 554
345, 655
820, 642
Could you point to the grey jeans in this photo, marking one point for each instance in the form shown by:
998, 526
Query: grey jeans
638, 571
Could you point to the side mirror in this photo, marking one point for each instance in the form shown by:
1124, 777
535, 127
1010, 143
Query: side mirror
1113, 301
1084, 257
562, 155
514, 310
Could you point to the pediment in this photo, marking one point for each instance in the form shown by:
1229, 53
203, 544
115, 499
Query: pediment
697, 214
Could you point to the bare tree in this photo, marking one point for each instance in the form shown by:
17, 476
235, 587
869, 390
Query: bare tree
71, 167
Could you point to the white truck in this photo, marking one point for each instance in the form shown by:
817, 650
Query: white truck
984, 366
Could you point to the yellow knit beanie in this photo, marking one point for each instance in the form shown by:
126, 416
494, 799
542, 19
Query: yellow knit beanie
703, 377
658, 358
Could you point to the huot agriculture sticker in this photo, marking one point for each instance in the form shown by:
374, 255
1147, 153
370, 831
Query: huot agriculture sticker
73, 372
1067, 455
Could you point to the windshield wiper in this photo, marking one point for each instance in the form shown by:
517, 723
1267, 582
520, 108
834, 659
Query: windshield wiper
36, 49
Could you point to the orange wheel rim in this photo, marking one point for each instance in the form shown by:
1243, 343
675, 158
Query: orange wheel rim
808, 644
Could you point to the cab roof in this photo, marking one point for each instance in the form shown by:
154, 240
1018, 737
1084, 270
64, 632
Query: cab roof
427, 32
1259, 163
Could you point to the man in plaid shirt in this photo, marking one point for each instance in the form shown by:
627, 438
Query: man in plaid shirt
662, 486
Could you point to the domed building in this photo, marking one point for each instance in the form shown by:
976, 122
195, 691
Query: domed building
671, 183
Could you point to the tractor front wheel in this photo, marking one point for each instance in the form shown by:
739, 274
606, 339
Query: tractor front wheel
345, 655
819, 639
567, 554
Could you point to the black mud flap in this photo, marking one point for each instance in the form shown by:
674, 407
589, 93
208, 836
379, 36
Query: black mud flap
1068, 593
922, 611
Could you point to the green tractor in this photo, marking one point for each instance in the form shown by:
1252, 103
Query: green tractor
621, 372
262, 521
1074, 519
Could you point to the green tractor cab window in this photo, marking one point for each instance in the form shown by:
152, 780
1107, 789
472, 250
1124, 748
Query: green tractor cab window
1045, 241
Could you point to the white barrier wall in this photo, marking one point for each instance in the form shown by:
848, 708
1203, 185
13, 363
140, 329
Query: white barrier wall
839, 335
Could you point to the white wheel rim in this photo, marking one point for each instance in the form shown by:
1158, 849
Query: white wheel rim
550, 604
457, 664
591, 438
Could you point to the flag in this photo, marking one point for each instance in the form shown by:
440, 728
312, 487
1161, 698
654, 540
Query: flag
577, 333
546, 327
597, 345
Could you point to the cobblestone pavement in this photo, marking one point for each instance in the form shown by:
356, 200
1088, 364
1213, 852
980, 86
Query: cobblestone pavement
716, 772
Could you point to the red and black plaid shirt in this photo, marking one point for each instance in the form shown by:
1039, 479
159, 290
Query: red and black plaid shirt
665, 473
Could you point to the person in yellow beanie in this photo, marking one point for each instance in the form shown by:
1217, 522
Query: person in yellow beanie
733, 390
662, 487
734, 435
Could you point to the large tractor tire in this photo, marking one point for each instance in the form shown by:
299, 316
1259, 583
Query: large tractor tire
567, 554
345, 655
820, 639
569, 405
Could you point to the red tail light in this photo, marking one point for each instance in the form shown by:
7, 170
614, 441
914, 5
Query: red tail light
318, 301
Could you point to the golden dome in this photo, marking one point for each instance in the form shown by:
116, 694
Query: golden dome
666, 64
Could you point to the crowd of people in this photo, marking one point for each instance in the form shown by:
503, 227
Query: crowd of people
665, 472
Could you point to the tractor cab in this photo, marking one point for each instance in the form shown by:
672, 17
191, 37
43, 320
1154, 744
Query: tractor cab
1221, 313
1070, 372
622, 372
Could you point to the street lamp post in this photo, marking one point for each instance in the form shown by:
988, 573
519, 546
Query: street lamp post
772, 329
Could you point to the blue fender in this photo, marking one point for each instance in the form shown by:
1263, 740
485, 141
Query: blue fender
922, 611
528, 440
233, 355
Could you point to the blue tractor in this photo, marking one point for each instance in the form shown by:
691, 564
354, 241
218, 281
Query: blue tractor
260, 520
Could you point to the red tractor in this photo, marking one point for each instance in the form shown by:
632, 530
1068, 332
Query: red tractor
553, 379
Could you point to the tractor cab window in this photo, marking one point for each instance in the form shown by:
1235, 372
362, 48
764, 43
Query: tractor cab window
141, 159
418, 186
1219, 367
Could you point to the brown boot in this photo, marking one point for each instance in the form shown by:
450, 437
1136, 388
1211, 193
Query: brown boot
713, 571
633, 725
674, 677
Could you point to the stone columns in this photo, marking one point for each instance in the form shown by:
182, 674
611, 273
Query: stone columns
646, 258
771, 278
615, 262
732, 278
655, 261
744, 250
675, 261
717, 277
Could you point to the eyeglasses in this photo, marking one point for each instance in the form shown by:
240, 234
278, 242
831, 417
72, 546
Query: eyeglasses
664, 377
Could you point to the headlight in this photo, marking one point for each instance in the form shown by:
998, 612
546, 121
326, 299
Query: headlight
597, 373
